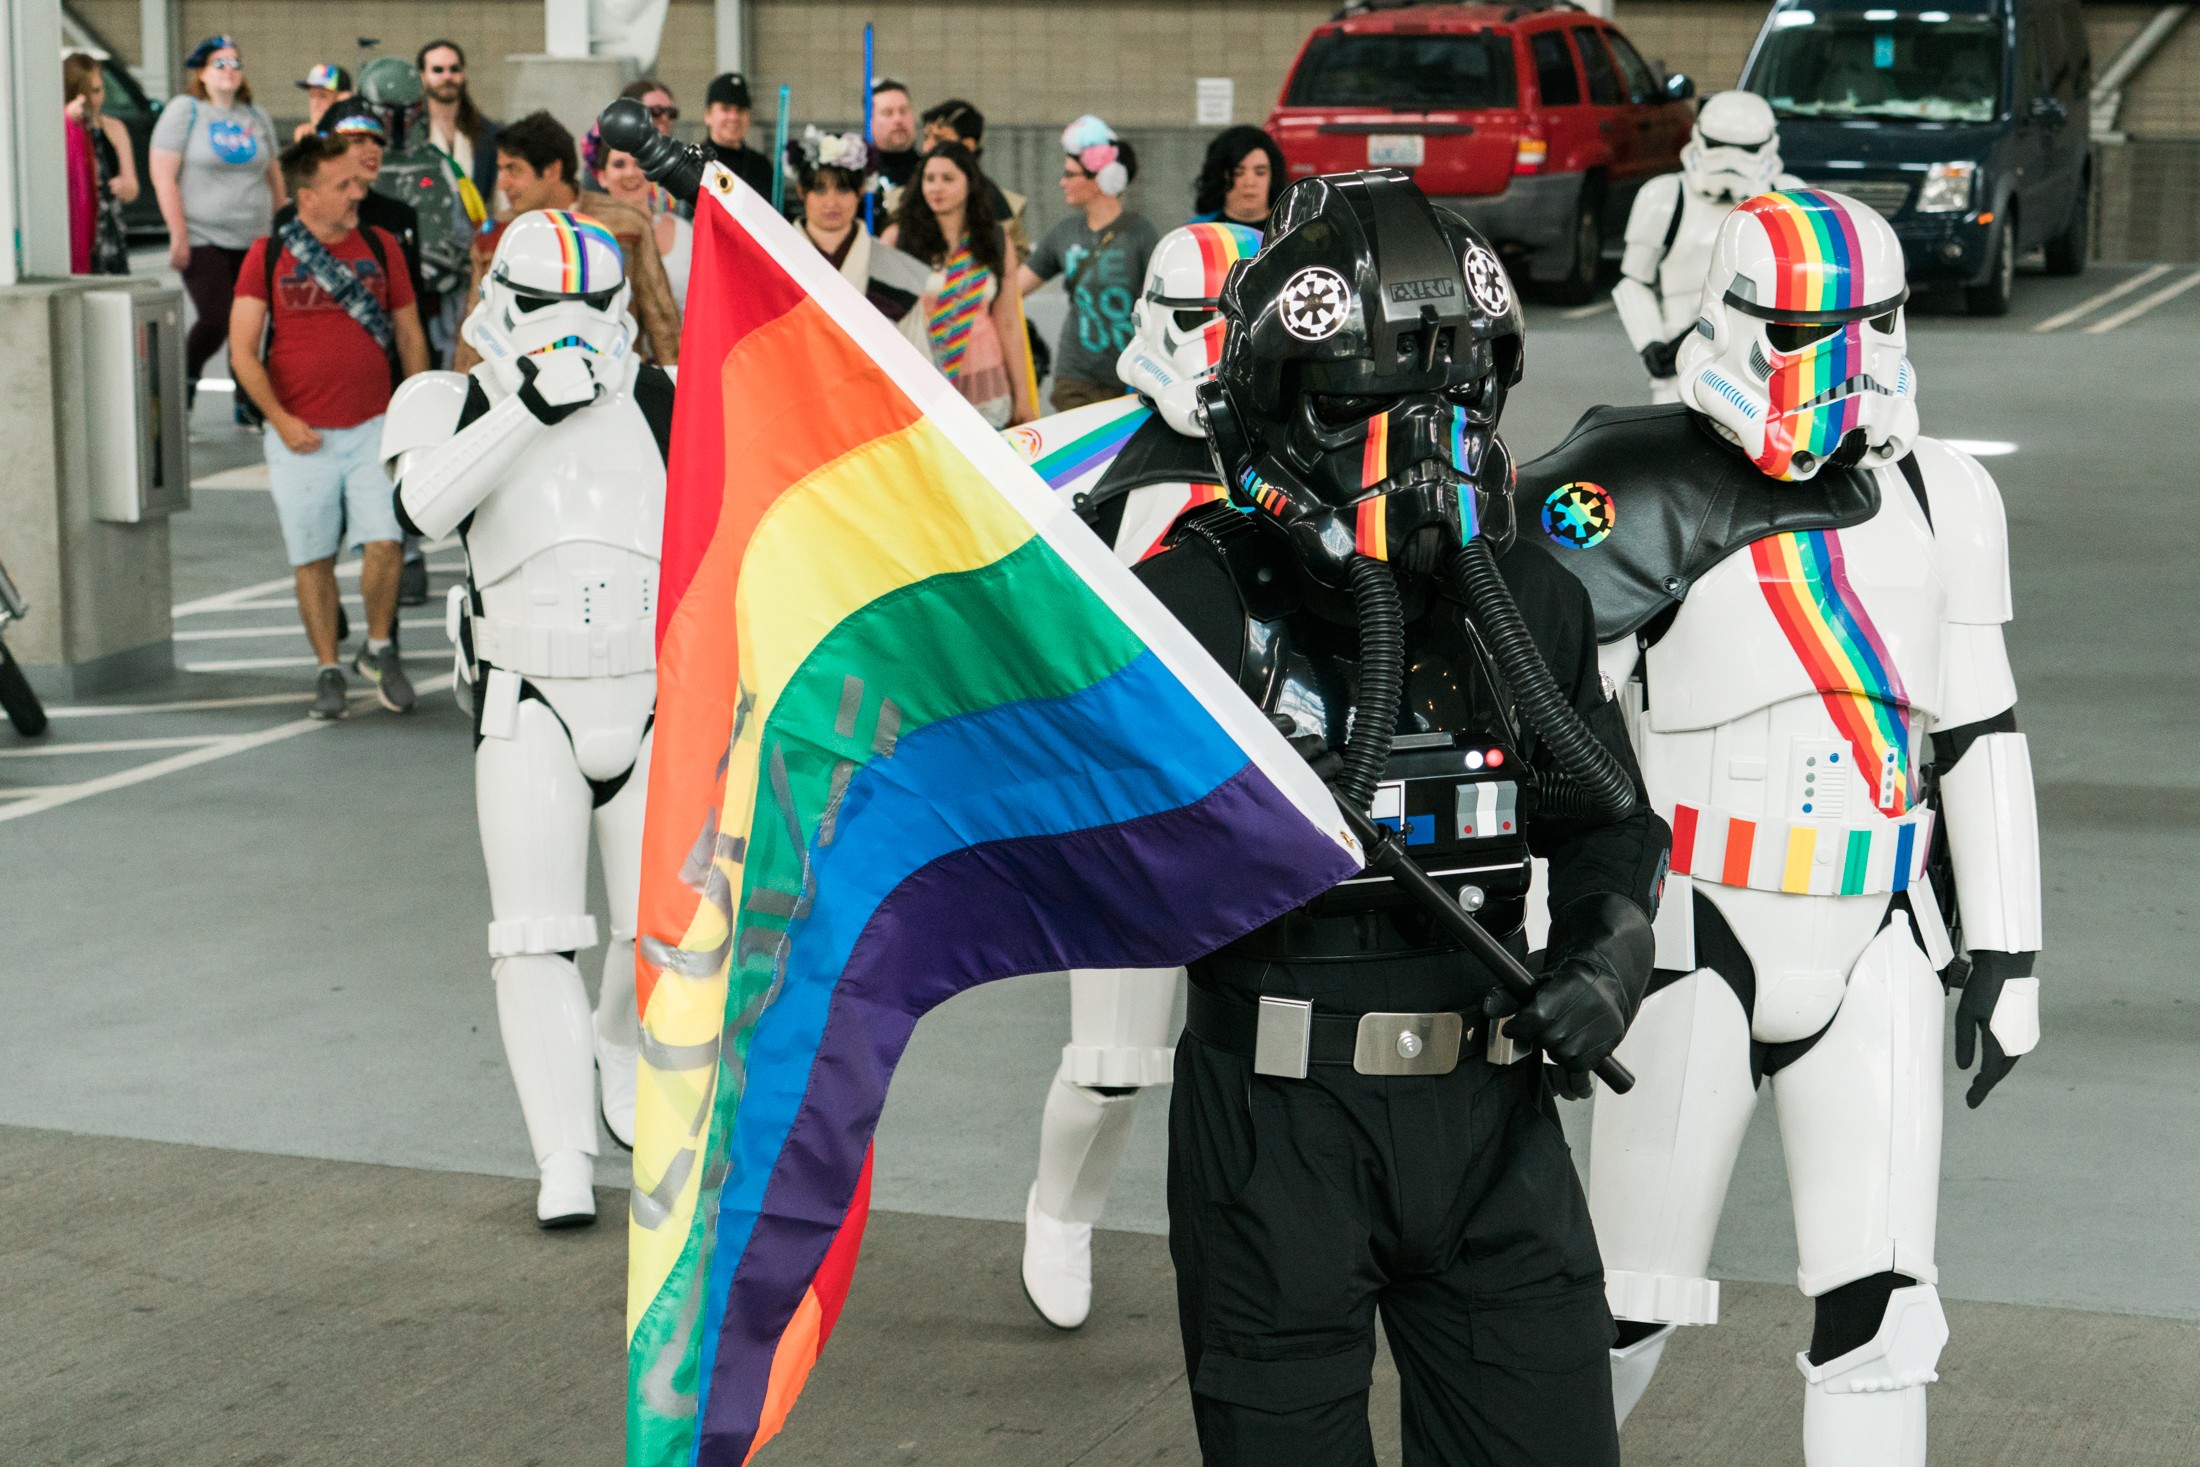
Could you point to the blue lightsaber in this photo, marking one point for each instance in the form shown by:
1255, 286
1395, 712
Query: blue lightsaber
870, 199
779, 155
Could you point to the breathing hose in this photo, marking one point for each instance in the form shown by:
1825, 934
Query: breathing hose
1382, 678
1593, 785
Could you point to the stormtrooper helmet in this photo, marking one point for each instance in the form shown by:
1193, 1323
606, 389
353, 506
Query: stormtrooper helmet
1179, 318
558, 280
1733, 152
1798, 357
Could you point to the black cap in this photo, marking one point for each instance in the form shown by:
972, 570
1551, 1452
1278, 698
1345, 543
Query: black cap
363, 117
728, 90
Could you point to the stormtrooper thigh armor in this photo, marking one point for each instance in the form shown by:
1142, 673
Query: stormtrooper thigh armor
1119, 1031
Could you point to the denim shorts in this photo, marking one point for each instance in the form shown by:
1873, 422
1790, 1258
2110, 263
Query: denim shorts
334, 496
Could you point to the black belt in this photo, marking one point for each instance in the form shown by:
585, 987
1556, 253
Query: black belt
1231, 1024
1300, 1036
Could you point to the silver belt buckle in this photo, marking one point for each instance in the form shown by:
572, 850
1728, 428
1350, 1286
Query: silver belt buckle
1283, 1037
1408, 1044
1502, 1049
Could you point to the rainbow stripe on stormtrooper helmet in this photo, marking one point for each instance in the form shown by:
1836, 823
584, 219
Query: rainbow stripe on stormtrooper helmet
1733, 151
1179, 317
1093, 144
558, 280
1798, 356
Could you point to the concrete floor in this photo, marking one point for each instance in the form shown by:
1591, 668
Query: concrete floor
233, 929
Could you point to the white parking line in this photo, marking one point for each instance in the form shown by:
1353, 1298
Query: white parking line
53, 797
106, 746
2134, 311
254, 664
193, 705
227, 600
2087, 307
422, 624
1583, 313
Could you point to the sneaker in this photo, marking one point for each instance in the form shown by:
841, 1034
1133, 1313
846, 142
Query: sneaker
392, 689
412, 584
328, 695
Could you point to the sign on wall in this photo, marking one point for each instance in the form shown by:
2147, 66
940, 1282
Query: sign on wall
1215, 101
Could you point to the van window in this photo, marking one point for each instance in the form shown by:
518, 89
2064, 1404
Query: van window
1405, 71
1597, 62
2078, 49
1640, 86
1554, 70
1839, 64
2032, 65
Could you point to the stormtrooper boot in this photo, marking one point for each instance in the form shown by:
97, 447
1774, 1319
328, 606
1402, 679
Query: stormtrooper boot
1081, 1141
617, 1032
542, 1009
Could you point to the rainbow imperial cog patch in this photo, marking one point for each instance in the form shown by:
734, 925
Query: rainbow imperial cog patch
1578, 515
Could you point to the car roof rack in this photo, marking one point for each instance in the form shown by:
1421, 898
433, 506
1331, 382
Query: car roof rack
1371, 7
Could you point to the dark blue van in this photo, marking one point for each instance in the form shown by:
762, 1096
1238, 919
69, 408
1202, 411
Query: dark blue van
1966, 128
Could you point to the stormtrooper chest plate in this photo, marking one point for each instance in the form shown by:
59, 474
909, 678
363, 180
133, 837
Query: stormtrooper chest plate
597, 477
1855, 612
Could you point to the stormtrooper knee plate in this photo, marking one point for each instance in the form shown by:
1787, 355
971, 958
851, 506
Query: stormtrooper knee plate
1866, 1408
1119, 1027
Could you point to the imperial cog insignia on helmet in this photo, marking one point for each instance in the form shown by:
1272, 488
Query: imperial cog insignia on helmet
1486, 278
1314, 304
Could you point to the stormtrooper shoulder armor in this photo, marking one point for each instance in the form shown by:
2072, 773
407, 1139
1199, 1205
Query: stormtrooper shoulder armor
1640, 502
423, 413
1971, 530
1651, 223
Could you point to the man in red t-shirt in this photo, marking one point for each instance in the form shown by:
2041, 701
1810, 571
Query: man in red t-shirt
323, 385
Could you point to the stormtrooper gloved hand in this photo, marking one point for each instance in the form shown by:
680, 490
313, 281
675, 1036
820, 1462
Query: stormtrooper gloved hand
1658, 356
1581, 1011
2000, 987
557, 384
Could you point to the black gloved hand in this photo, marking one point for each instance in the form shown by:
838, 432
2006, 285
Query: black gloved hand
1579, 1016
1327, 763
556, 391
1975, 1011
1658, 357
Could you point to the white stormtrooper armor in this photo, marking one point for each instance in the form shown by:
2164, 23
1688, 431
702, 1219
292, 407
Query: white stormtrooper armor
1143, 462
1782, 711
1732, 154
547, 460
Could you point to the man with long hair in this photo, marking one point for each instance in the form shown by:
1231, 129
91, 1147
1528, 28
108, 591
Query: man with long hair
466, 142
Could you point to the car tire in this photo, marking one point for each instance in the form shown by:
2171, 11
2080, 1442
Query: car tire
1990, 297
1586, 248
2066, 251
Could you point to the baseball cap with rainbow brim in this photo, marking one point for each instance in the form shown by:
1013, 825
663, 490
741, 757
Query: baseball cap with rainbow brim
334, 78
353, 117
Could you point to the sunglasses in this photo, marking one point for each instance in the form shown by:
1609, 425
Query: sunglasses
446, 71
226, 63
662, 113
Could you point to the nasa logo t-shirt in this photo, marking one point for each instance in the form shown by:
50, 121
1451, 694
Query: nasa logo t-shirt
227, 152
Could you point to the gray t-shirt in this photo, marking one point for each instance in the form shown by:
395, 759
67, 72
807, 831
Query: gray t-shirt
226, 152
1103, 284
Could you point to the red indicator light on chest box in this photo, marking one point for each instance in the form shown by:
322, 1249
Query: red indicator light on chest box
1496, 758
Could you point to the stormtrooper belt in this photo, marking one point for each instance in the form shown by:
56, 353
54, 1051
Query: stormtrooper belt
611, 651
1283, 1036
1719, 846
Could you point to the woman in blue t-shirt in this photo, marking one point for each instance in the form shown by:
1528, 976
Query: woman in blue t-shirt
215, 172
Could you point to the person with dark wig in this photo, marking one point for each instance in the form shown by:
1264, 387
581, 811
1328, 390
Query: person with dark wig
971, 308
1239, 181
832, 173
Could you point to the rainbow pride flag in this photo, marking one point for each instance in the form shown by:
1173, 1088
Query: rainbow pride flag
917, 729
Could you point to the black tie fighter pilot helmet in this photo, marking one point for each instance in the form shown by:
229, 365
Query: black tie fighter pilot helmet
1369, 349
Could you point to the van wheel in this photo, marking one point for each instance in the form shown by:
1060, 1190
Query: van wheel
1579, 283
2066, 251
1991, 296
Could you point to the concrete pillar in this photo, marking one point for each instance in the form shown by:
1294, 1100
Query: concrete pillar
35, 189
99, 592
573, 89
733, 43
160, 48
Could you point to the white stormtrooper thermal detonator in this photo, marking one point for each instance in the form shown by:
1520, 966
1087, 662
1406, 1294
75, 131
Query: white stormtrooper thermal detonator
1788, 675
1130, 467
1733, 154
549, 461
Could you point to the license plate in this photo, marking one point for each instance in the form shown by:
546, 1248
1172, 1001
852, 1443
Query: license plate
1395, 149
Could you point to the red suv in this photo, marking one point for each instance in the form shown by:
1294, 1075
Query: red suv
1535, 121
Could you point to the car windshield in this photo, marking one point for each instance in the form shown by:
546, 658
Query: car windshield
1413, 71
1928, 65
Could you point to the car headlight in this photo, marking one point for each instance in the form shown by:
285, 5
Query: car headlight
1947, 188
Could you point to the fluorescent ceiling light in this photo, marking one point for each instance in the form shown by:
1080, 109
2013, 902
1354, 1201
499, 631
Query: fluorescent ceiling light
1981, 447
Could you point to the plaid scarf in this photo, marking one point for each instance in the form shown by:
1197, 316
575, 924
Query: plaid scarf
956, 310
338, 280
